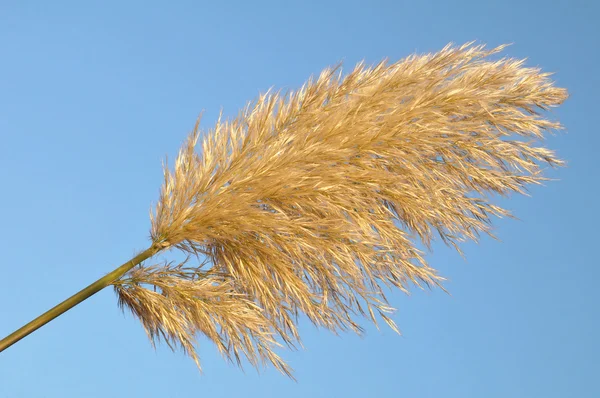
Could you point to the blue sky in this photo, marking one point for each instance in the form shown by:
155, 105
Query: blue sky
93, 95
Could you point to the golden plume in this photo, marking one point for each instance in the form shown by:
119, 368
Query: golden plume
310, 202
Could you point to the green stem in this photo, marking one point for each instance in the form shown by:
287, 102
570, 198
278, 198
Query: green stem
77, 298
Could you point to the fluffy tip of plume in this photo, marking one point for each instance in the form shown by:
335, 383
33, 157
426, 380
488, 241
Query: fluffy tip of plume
311, 202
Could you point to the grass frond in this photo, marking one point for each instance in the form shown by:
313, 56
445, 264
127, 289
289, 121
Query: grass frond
176, 303
312, 201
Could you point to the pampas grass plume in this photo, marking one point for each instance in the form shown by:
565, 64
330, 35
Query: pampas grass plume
311, 202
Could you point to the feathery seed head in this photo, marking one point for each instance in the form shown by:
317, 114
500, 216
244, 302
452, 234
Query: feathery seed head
310, 202
184, 302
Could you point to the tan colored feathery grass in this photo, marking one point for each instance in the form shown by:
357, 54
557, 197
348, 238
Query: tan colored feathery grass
189, 301
311, 202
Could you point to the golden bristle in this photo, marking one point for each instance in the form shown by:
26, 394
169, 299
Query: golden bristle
310, 202
185, 301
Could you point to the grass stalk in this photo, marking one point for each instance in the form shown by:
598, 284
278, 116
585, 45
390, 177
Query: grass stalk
77, 298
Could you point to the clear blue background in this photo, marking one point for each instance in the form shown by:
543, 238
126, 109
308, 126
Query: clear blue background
93, 95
